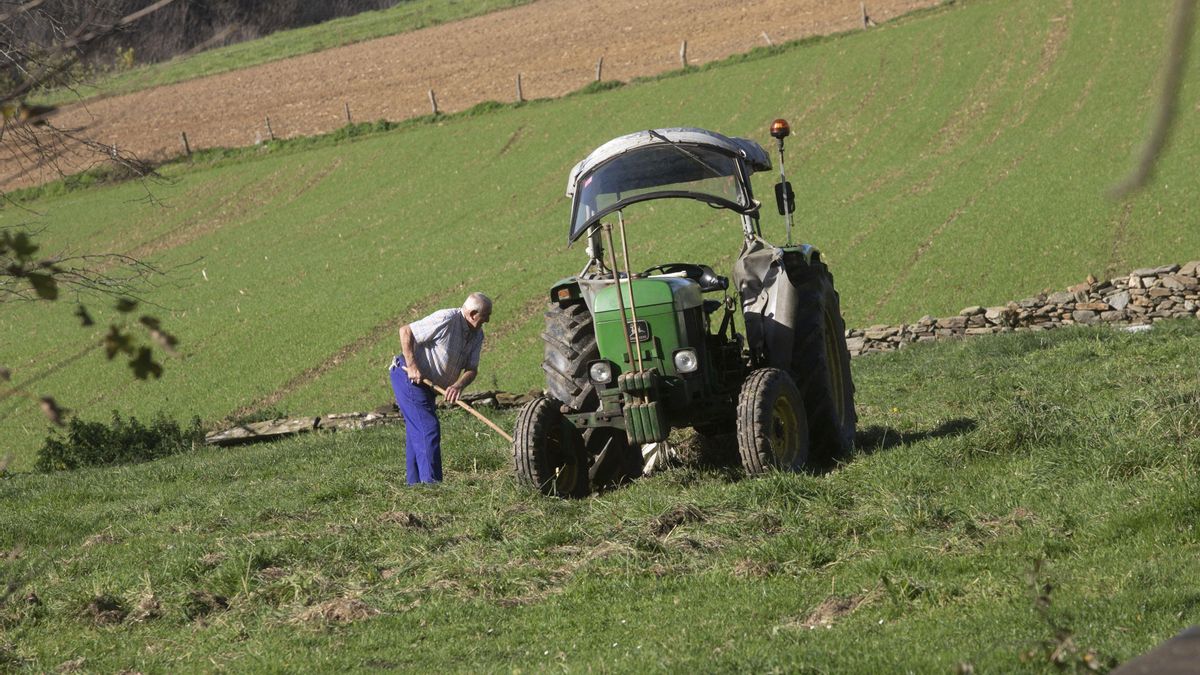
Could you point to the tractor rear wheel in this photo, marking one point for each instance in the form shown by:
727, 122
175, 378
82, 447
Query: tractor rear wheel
569, 345
547, 451
772, 429
821, 362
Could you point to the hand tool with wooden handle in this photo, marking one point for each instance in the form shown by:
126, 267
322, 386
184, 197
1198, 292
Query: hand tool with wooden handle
471, 410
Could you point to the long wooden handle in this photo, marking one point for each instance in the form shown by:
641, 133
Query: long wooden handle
473, 411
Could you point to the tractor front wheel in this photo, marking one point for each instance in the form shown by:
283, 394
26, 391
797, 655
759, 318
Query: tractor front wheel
772, 429
547, 451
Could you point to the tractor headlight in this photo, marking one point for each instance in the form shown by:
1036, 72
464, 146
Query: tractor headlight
600, 372
686, 361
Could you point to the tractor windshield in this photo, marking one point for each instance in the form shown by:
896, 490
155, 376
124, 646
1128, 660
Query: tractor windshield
654, 172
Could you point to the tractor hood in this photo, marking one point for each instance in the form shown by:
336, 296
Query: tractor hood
663, 163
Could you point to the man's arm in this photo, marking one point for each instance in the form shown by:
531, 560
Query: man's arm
455, 390
408, 345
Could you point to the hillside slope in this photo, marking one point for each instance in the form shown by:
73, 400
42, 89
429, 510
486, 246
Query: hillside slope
956, 159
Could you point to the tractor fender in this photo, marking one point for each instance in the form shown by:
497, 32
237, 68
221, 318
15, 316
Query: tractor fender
769, 300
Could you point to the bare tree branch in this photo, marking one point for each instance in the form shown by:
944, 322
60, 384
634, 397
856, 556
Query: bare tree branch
1168, 102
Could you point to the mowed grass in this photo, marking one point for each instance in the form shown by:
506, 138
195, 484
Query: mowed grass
1011, 498
405, 16
959, 157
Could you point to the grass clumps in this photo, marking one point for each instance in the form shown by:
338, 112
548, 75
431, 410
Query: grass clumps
123, 441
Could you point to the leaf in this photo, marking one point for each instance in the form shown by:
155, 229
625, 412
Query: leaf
126, 305
144, 366
85, 319
116, 342
44, 284
51, 410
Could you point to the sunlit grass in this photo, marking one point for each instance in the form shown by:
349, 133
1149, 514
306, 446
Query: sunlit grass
1004, 503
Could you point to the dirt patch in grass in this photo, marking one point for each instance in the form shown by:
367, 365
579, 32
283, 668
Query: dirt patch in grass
833, 608
71, 666
148, 608
105, 610
211, 559
272, 573
1001, 525
754, 569
680, 515
338, 610
100, 539
202, 603
405, 519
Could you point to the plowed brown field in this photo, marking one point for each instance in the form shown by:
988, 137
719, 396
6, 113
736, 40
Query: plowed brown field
553, 44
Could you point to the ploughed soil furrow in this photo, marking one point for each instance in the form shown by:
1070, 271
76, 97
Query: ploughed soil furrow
553, 44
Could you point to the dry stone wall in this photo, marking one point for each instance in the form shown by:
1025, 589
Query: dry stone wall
1145, 296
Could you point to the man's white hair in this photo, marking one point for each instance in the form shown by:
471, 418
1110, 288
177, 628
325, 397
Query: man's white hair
477, 302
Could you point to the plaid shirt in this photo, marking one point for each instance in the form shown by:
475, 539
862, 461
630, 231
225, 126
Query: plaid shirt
446, 345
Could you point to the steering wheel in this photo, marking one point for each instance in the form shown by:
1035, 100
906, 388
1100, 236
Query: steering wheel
702, 274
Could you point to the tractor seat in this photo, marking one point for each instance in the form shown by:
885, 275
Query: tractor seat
711, 306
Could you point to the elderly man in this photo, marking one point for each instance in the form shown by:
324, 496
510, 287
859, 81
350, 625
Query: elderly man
443, 348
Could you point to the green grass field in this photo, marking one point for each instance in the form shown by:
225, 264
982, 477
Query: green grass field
1022, 503
407, 15
958, 157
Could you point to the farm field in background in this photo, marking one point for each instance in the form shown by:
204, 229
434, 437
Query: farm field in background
553, 44
1006, 509
408, 15
961, 157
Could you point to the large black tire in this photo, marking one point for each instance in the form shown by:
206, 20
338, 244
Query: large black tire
569, 346
821, 362
772, 429
547, 451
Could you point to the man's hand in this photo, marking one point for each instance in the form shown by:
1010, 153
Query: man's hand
413, 372
452, 393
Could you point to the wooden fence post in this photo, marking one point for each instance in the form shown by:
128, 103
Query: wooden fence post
867, 21
599, 68
767, 38
187, 149
433, 102
683, 54
347, 106
270, 132
520, 94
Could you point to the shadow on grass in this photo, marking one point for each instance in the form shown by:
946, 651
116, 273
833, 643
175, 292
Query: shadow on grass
717, 455
874, 438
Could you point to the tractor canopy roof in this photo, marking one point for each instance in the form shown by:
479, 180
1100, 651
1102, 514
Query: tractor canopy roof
663, 163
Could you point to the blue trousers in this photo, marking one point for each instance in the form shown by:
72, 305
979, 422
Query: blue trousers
422, 431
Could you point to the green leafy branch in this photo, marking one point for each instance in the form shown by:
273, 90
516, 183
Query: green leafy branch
25, 277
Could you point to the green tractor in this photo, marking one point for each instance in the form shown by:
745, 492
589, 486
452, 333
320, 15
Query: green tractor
631, 355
